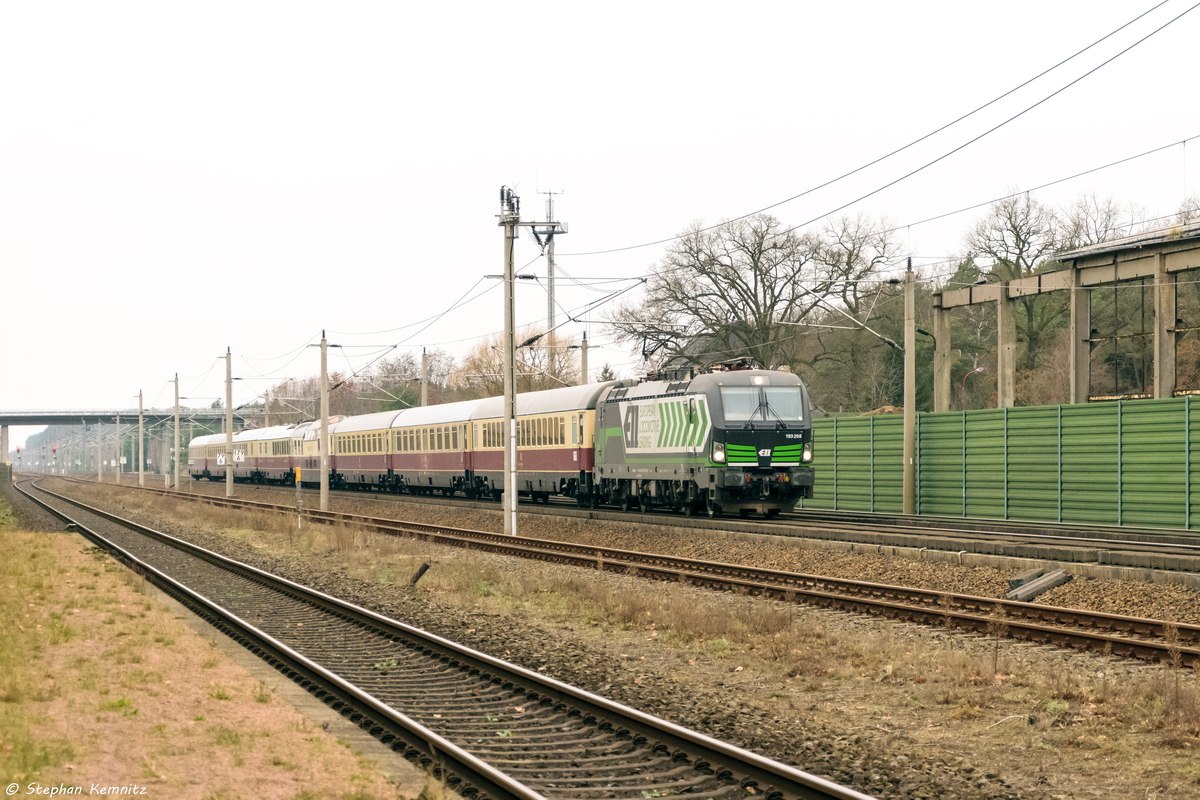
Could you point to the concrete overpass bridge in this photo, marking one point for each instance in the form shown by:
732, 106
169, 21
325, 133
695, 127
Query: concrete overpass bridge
90, 425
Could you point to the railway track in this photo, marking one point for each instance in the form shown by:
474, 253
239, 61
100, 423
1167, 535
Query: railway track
1130, 637
1118, 546
498, 730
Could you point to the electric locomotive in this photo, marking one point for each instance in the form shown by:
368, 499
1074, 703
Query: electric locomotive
737, 440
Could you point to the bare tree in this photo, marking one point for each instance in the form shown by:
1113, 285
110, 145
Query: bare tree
543, 362
1188, 211
1021, 237
1092, 220
732, 290
852, 252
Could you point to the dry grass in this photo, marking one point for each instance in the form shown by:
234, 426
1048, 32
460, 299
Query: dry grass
99, 684
1035, 712
790, 639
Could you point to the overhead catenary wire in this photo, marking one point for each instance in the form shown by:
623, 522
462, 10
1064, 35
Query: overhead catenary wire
923, 138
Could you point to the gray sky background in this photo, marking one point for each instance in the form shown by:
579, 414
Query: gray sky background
179, 178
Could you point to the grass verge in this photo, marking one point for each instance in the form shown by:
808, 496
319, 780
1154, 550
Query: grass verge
100, 684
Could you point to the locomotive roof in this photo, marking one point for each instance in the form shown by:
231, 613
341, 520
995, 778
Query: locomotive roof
745, 377
702, 383
568, 398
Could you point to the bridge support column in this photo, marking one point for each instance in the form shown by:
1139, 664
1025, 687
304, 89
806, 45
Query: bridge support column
1080, 335
1006, 350
1164, 331
942, 360
3, 443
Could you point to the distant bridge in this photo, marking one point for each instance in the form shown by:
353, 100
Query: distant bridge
91, 417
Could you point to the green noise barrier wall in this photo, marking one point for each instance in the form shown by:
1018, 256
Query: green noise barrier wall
1124, 463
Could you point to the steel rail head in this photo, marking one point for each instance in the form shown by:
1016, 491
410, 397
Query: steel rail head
494, 783
791, 781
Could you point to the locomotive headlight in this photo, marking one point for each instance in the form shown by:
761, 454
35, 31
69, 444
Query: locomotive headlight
718, 451
806, 456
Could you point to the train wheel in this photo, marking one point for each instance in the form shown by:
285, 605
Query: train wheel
772, 513
713, 509
744, 513
689, 508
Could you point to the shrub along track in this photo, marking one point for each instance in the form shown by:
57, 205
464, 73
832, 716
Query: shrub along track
506, 731
1126, 636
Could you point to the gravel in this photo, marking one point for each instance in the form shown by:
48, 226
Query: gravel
754, 711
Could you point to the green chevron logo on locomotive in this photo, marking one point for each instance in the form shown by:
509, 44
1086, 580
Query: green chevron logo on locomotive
663, 426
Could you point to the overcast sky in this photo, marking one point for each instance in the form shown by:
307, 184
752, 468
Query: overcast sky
180, 178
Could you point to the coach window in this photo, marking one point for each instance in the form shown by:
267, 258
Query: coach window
454, 438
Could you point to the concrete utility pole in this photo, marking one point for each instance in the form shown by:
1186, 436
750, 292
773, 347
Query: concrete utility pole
141, 442
550, 233
117, 460
228, 423
583, 365
910, 390
424, 378
99, 452
510, 219
178, 471
323, 445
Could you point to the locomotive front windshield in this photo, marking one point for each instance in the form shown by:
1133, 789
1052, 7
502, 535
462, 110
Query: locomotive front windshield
765, 403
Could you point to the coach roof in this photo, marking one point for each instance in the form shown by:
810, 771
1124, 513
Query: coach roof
436, 415
568, 398
367, 422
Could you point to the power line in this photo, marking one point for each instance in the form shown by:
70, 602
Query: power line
923, 138
992, 129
